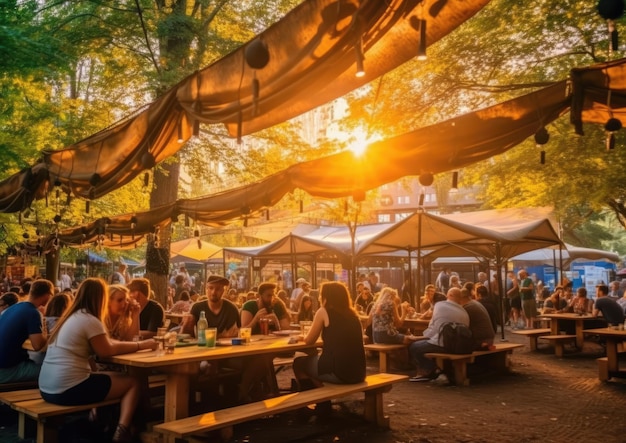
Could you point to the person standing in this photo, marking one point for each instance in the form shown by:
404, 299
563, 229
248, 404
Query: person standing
527, 295
443, 281
343, 356
20, 322
513, 296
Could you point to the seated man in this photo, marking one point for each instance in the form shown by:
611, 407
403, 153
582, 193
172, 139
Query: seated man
608, 307
443, 312
152, 313
266, 306
480, 324
555, 303
23, 321
223, 315
483, 298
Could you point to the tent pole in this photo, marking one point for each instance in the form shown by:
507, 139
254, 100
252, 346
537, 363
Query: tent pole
561, 265
500, 268
419, 256
411, 291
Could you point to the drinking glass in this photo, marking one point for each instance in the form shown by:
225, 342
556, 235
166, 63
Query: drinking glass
245, 334
211, 336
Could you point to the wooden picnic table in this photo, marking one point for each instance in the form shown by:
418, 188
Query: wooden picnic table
614, 338
185, 362
579, 321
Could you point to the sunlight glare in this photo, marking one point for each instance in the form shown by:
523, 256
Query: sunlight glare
359, 141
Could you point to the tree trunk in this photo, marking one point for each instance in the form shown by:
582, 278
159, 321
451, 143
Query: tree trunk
164, 191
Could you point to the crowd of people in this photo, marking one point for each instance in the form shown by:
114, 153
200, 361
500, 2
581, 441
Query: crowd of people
68, 332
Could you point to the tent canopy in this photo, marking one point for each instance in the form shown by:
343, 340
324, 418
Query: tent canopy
194, 249
548, 256
497, 233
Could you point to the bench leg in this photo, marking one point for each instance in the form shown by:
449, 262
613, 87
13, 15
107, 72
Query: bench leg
603, 369
21, 425
374, 411
559, 349
383, 361
533, 343
47, 432
460, 372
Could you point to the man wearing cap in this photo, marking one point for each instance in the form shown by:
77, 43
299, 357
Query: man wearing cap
220, 313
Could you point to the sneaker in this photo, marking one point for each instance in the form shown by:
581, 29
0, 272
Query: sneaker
428, 377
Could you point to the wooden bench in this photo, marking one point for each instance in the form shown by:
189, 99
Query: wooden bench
48, 416
455, 365
373, 387
383, 352
532, 335
6, 387
559, 341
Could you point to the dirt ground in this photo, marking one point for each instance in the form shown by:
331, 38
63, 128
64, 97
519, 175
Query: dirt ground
545, 399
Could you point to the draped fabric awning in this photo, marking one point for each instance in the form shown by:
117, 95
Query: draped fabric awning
312, 60
451, 144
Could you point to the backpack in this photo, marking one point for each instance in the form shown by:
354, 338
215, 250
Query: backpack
456, 338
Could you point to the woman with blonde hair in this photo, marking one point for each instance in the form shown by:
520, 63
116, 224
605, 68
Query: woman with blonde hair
386, 318
343, 357
66, 377
122, 316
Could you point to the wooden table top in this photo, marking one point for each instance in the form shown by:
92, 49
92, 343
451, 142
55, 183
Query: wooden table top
189, 354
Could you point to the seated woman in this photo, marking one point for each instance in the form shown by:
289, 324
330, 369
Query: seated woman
305, 313
343, 357
581, 304
66, 377
55, 308
386, 319
122, 316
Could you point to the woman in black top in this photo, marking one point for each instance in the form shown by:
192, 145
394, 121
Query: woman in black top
343, 357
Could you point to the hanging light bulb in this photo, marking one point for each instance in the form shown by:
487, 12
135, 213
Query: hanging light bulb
358, 51
541, 138
611, 127
421, 49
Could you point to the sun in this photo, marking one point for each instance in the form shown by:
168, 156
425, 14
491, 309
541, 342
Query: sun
359, 139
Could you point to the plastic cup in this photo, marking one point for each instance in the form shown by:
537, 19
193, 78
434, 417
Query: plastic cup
170, 342
245, 334
264, 323
211, 336
305, 327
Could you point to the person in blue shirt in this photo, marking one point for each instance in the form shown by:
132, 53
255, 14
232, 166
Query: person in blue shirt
18, 323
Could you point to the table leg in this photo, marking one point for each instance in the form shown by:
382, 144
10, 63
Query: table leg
611, 354
177, 391
579, 334
554, 326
